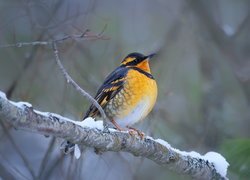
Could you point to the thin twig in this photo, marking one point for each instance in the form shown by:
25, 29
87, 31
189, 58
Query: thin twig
21, 44
75, 85
81, 36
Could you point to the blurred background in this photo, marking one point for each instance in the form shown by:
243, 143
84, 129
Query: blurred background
202, 70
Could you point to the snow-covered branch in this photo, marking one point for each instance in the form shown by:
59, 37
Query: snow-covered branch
90, 133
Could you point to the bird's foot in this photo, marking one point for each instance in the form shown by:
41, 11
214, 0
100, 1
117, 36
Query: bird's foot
134, 131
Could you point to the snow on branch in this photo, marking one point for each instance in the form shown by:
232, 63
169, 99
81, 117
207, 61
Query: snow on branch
90, 133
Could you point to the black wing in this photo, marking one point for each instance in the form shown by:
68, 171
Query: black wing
111, 86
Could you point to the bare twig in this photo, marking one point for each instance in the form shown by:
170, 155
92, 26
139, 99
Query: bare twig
75, 85
24, 117
21, 44
83, 36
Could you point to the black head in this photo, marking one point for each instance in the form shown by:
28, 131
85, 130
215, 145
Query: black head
134, 59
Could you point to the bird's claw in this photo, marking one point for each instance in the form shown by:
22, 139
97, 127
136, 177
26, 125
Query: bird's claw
132, 131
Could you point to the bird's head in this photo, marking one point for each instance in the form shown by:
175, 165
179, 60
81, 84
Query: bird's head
137, 60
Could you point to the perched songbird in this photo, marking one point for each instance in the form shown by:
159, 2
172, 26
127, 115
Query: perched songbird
128, 94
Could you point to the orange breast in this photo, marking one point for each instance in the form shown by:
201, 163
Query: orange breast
136, 99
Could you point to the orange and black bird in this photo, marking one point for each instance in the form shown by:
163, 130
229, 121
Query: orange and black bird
128, 94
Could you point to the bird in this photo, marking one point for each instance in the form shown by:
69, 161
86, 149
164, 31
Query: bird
127, 94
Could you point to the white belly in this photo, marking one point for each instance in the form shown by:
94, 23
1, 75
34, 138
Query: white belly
137, 114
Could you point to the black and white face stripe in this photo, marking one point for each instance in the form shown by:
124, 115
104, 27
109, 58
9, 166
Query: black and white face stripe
133, 59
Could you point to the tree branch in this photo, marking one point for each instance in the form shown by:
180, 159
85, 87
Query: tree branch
23, 116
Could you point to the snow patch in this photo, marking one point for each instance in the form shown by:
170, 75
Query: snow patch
21, 104
219, 162
91, 123
191, 153
18, 104
216, 159
2, 95
184, 153
42, 113
60, 117
115, 130
164, 143
48, 114
77, 152
88, 122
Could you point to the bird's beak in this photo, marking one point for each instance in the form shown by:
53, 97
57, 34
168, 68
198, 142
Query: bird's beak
150, 56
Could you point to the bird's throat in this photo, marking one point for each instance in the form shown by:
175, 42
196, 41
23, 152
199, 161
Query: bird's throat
144, 65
